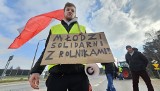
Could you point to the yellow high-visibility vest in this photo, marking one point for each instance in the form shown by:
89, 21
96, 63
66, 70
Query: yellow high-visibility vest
60, 29
103, 67
120, 69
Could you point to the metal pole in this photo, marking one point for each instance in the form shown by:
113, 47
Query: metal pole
10, 72
158, 74
16, 72
4, 72
158, 60
22, 72
35, 55
158, 70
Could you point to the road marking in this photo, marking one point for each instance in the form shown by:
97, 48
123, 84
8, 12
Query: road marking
39, 89
101, 81
96, 85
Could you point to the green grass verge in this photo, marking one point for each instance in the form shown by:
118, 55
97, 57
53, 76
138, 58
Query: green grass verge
13, 79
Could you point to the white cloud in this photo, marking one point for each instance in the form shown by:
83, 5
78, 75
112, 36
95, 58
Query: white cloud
123, 21
5, 42
146, 9
6, 11
123, 28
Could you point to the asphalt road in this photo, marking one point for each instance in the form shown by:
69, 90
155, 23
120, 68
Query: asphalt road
98, 83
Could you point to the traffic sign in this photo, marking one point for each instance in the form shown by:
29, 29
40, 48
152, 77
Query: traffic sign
156, 66
10, 58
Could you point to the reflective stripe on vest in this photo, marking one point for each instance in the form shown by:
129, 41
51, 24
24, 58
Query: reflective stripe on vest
120, 69
59, 29
103, 67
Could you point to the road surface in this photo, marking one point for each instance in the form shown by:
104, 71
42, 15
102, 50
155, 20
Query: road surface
98, 83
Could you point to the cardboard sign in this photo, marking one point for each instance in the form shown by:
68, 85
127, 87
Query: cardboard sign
77, 49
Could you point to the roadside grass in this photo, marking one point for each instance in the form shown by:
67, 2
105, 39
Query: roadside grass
7, 79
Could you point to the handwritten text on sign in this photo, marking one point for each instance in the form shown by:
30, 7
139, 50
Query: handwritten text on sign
77, 48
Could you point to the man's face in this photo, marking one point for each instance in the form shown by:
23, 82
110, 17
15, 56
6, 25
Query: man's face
69, 13
129, 50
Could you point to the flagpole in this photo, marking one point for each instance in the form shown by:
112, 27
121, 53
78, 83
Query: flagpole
35, 54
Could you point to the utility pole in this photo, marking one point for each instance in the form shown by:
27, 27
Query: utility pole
36, 52
5, 69
158, 62
35, 56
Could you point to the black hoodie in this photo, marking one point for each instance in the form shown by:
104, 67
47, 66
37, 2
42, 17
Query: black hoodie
109, 68
137, 62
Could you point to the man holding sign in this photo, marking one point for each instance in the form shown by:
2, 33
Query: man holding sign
63, 76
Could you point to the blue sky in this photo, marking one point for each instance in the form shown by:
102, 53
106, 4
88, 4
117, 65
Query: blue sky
123, 21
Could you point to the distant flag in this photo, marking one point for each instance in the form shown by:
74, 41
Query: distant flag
34, 26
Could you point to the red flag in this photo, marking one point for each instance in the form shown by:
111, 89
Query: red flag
34, 26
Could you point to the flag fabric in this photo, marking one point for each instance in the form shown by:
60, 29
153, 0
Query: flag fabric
20, 29
34, 26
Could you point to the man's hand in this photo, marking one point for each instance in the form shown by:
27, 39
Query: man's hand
34, 80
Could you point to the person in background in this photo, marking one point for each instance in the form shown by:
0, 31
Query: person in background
120, 73
137, 64
116, 71
109, 71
